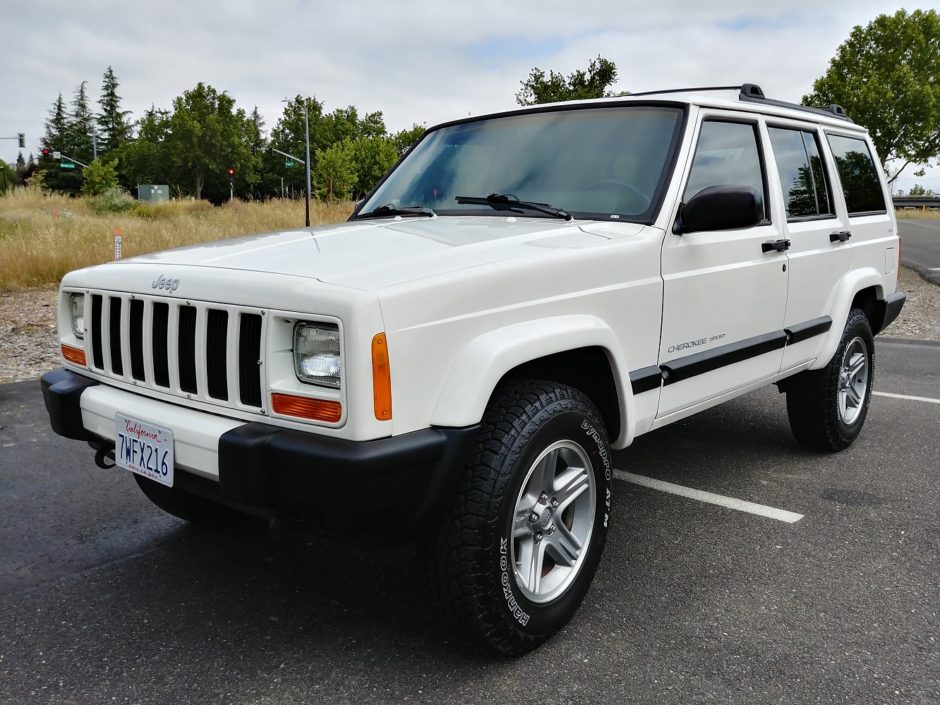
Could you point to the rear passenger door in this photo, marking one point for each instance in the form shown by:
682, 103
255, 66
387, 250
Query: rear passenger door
819, 253
724, 291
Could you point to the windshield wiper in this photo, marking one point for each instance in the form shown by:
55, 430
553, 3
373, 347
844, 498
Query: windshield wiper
389, 209
506, 201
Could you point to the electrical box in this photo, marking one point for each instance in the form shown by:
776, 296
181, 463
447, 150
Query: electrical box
153, 193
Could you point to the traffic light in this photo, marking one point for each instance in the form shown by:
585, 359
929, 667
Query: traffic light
230, 171
46, 151
21, 138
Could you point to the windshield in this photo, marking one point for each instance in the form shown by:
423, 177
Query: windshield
592, 162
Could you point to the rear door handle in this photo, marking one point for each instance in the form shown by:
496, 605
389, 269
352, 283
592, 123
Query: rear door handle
840, 236
775, 246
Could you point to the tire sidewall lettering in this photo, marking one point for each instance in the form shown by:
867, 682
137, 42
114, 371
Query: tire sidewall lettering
525, 614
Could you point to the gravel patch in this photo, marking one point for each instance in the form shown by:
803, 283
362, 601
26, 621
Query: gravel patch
29, 343
29, 346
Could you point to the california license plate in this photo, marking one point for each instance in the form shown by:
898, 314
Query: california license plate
144, 448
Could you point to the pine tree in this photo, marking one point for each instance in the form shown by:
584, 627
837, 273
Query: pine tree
81, 124
20, 169
54, 140
113, 126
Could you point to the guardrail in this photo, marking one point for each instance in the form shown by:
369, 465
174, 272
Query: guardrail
921, 202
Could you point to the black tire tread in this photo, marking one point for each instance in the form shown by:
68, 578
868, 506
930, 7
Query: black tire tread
811, 408
456, 560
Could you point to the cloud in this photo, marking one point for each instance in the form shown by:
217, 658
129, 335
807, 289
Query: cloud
415, 60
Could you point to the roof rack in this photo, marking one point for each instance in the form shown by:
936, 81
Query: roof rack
752, 93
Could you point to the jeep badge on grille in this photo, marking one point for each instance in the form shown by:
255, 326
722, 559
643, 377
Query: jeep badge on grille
166, 283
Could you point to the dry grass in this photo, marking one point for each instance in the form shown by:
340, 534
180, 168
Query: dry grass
918, 214
43, 236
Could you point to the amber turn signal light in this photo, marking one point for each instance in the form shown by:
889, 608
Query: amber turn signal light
74, 355
381, 378
305, 408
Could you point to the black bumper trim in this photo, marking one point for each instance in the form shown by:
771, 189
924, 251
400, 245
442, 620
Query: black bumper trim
61, 392
893, 304
383, 491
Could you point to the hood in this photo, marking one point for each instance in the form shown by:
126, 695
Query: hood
373, 254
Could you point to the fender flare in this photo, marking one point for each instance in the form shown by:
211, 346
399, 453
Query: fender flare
485, 360
852, 283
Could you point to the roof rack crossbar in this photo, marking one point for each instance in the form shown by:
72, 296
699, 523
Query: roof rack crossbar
752, 93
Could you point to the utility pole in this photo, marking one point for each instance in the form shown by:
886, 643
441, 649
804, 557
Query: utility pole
307, 161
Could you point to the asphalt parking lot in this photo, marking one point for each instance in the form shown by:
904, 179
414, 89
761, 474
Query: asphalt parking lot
104, 599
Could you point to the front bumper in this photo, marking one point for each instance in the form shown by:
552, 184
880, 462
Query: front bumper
381, 491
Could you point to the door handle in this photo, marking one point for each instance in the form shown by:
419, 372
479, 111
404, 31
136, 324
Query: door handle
840, 236
775, 246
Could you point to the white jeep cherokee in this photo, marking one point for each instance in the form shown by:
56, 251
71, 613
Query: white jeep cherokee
521, 293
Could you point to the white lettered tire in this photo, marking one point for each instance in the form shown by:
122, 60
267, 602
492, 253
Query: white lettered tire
520, 546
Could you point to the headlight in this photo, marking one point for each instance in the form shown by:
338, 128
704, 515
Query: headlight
316, 354
77, 304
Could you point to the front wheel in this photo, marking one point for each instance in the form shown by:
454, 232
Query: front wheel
827, 407
523, 539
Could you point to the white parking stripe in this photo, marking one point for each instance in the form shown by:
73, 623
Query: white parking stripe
722, 501
907, 397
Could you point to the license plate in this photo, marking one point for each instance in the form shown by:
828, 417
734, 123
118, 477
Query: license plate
144, 448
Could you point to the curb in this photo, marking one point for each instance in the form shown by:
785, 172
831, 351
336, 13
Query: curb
916, 342
926, 273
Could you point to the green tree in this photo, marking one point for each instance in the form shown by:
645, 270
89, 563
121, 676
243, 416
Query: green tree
887, 77
81, 125
553, 87
145, 160
287, 135
919, 190
113, 126
373, 157
406, 139
100, 176
336, 171
207, 135
7, 177
54, 140
20, 169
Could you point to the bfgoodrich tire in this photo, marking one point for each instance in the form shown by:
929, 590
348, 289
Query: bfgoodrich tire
827, 407
522, 541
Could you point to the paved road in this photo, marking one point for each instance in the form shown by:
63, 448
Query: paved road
920, 247
103, 599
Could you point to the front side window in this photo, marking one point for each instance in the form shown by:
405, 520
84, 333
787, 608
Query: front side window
857, 172
591, 162
726, 155
802, 178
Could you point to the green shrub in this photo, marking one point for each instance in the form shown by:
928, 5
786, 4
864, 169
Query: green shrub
114, 200
99, 177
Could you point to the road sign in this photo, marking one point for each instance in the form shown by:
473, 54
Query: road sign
57, 155
66, 165
288, 162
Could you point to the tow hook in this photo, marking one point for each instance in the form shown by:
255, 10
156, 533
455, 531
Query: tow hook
104, 455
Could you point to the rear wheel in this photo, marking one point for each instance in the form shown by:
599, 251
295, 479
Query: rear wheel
827, 407
523, 539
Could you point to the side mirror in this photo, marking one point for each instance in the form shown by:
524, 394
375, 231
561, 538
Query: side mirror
720, 208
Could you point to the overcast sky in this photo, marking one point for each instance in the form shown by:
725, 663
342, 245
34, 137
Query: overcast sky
416, 61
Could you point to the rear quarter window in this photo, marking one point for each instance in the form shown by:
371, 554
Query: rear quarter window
858, 174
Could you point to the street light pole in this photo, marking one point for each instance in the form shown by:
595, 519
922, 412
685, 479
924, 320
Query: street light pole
307, 160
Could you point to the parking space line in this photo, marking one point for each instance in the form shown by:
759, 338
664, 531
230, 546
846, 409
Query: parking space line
709, 497
928, 400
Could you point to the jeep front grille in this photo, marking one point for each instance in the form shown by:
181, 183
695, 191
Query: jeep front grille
197, 350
